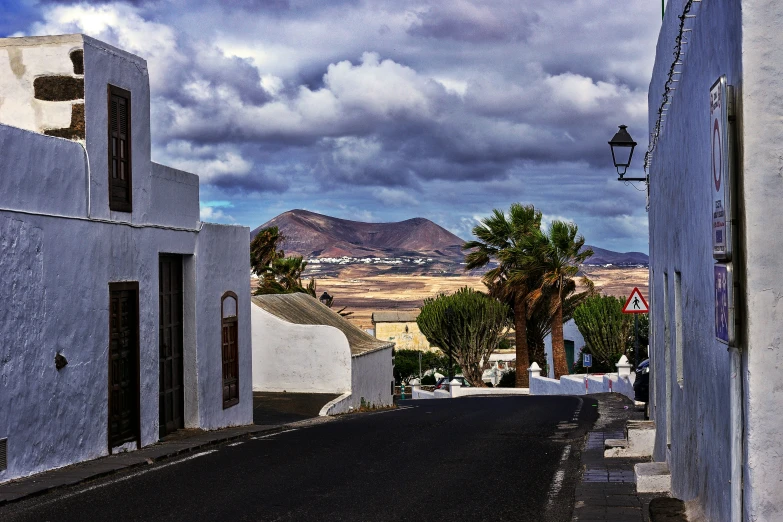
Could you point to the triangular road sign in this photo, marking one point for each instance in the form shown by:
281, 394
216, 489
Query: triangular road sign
635, 303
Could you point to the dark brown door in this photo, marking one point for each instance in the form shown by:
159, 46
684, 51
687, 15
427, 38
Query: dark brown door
123, 363
230, 350
172, 397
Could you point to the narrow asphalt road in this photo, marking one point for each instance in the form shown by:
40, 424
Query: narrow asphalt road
470, 459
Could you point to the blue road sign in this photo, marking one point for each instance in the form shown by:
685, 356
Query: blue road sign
587, 360
724, 316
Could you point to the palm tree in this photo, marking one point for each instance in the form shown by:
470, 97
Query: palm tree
541, 318
499, 238
555, 256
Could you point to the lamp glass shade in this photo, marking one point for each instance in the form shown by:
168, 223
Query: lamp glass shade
622, 146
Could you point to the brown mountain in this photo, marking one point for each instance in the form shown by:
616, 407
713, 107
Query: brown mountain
314, 235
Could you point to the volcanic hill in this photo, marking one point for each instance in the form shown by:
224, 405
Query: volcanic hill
317, 236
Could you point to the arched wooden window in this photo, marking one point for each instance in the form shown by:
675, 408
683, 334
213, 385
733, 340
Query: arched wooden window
228, 314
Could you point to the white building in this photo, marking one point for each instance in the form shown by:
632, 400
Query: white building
716, 406
300, 345
123, 317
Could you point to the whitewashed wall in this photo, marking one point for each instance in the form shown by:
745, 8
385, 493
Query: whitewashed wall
571, 333
57, 262
743, 41
298, 358
222, 262
371, 377
21, 61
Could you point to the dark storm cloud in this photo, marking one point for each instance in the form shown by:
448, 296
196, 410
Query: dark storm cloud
391, 106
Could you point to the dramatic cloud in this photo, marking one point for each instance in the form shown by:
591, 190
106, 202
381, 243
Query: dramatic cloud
389, 109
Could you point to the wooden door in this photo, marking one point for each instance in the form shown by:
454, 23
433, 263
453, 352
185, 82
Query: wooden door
172, 396
124, 394
230, 350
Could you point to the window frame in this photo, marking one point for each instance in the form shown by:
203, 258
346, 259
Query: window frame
120, 205
228, 322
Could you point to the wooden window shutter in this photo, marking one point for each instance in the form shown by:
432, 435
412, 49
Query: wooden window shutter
229, 312
120, 175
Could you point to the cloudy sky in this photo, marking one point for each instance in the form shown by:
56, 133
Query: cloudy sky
384, 110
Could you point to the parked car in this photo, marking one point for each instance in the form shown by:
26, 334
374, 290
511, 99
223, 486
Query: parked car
443, 381
641, 386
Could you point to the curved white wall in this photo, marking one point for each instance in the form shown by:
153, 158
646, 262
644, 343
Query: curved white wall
298, 358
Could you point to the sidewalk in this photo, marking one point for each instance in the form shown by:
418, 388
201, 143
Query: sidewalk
607, 490
272, 413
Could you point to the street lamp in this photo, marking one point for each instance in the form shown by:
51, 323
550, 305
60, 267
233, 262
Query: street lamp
622, 146
325, 298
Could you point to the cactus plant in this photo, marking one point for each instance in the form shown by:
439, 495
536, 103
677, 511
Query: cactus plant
604, 326
468, 323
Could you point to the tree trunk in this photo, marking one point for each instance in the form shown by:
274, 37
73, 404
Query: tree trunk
558, 346
520, 330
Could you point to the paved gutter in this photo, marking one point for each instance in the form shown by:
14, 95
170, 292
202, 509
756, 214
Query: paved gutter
607, 490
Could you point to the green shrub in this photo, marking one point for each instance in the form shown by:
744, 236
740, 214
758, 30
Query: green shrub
508, 379
429, 380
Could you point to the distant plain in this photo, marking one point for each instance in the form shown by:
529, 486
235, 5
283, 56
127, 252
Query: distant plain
366, 289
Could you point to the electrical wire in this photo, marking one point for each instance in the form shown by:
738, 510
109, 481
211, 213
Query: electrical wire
668, 85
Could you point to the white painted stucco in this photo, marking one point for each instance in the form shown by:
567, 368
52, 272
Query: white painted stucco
570, 333
298, 358
742, 40
60, 247
21, 61
371, 379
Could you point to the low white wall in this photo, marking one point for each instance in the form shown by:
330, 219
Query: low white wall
575, 385
299, 358
371, 380
463, 391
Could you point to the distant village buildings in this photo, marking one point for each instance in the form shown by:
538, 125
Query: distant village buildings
124, 317
716, 291
401, 328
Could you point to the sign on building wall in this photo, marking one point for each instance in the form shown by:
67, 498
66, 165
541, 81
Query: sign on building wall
724, 304
719, 170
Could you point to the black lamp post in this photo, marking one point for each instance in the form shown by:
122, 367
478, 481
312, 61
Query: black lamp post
325, 298
622, 146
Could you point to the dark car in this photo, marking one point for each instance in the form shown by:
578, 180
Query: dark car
641, 386
443, 381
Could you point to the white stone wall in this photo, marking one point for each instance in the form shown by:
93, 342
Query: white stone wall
58, 260
743, 41
371, 378
222, 263
298, 358
21, 61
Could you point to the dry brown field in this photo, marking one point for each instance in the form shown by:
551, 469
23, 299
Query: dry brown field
365, 290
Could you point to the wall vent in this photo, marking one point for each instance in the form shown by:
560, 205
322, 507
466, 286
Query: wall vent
3, 454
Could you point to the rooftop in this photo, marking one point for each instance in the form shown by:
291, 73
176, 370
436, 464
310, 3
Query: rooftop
395, 316
300, 308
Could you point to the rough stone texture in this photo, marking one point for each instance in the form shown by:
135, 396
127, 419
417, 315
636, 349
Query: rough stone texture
77, 57
76, 130
664, 509
58, 88
22, 60
652, 477
762, 164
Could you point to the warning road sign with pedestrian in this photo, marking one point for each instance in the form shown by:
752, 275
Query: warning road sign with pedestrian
635, 303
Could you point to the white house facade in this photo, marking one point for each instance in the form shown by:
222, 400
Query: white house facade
123, 317
716, 394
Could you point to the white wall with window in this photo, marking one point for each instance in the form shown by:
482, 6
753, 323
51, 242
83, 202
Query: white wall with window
82, 281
